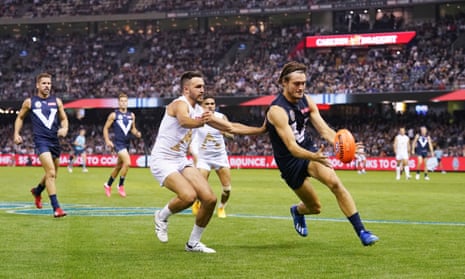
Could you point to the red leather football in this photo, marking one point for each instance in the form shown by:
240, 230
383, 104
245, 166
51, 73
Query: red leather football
344, 146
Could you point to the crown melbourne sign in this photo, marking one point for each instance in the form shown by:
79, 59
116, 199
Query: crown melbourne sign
350, 40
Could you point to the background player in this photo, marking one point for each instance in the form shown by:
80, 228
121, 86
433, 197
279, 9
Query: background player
438, 153
211, 154
49, 121
421, 145
297, 158
402, 150
360, 163
123, 123
79, 150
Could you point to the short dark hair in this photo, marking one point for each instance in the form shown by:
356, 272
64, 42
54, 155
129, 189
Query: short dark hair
122, 95
186, 76
290, 68
42, 75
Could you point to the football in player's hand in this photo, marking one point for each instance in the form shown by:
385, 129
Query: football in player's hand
344, 146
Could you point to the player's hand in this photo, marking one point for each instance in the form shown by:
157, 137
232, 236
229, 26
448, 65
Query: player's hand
138, 134
18, 139
62, 132
321, 158
206, 117
110, 145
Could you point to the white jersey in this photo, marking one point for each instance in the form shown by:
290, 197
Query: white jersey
170, 149
402, 145
210, 146
173, 140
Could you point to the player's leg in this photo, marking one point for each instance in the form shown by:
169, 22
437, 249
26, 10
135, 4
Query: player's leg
398, 168
185, 196
420, 162
224, 174
84, 161
50, 167
425, 167
123, 156
208, 202
310, 204
406, 168
205, 173
71, 162
345, 201
114, 173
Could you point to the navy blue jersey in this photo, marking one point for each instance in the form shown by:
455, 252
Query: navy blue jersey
122, 129
293, 170
422, 146
44, 120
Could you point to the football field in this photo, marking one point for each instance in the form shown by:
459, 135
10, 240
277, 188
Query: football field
421, 225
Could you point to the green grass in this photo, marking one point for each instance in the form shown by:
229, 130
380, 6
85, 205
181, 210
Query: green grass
421, 225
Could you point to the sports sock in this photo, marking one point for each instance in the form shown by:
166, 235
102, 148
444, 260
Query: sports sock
39, 189
196, 234
165, 213
398, 171
407, 171
121, 180
110, 181
356, 223
54, 201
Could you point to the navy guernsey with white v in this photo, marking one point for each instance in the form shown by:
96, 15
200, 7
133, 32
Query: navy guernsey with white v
293, 170
44, 120
122, 129
422, 146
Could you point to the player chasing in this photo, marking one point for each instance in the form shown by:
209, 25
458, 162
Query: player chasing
123, 124
79, 150
170, 166
298, 159
402, 150
211, 154
49, 122
421, 145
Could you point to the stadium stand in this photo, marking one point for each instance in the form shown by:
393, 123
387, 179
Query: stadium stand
236, 62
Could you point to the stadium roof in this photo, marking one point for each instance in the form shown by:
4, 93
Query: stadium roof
457, 95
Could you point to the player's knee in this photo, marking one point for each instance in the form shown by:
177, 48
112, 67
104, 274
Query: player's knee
189, 198
209, 200
51, 174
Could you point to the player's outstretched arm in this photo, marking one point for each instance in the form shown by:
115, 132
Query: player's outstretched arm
241, 129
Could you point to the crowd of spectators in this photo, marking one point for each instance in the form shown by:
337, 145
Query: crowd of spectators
235, 63
56, 8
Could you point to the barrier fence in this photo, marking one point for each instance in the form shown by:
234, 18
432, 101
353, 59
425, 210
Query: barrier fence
239, 162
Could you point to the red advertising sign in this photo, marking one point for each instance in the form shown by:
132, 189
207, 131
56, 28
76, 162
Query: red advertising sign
359, 39
236, 162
